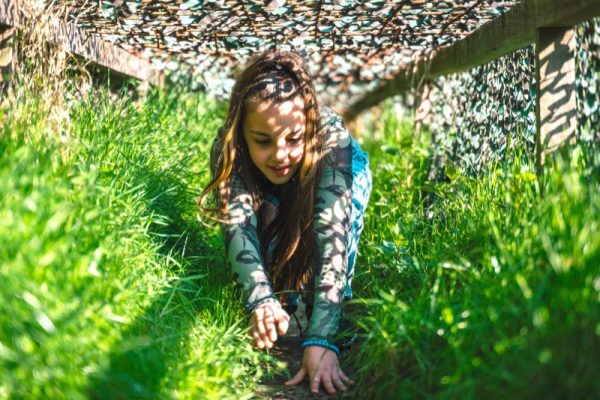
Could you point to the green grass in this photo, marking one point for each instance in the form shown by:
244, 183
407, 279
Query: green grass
110, 288
480, 287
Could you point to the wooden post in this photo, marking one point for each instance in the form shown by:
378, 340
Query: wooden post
423, 107
6, 56
556, 111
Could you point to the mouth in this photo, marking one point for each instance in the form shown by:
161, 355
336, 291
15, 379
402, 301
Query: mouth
280, 170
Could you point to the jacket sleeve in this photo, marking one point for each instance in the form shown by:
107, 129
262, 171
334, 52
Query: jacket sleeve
332, 226
242, 248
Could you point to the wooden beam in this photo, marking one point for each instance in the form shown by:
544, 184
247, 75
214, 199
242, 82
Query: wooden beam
555, 70
76, 41
8, 13
555, 13
515, 29
6, 55
510, 32
423, 107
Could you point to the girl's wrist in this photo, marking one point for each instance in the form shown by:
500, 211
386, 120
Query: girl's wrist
321, 343
264, 300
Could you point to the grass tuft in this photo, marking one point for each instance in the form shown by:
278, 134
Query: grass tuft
109, 286
479, 286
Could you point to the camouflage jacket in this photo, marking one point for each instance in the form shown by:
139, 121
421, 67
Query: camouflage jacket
331, 227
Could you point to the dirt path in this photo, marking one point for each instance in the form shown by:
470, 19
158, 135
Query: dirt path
287, 349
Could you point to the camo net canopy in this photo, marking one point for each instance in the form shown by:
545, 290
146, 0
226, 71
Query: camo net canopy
351, 46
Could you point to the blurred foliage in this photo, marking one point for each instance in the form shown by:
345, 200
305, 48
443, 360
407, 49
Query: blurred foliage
476, 115
588, 80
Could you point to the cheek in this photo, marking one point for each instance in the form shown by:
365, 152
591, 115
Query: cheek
297, 153
256, 154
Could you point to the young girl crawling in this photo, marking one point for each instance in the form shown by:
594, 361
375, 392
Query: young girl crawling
291, 186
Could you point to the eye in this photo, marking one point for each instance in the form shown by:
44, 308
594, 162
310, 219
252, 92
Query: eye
295, 140
263, 142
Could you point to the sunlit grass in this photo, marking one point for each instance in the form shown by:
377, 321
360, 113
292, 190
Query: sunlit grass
109, 287
480, 287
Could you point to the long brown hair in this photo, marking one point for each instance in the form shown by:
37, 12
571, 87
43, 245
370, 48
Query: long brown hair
275, 76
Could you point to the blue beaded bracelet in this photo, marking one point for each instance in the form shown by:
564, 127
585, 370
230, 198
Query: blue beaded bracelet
321, 343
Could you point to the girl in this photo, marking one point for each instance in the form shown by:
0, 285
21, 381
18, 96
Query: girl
291, 186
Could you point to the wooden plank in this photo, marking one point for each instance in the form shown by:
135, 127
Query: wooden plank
76, 41
556, 110
423, 108
6, 55
509, 32
555, 13
7, 13
12, 12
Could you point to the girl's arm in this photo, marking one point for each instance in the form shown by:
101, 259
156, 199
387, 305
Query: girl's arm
241, 239
243, 249
331, 226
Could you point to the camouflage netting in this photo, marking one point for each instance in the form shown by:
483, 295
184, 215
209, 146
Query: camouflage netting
474, 113
352, 46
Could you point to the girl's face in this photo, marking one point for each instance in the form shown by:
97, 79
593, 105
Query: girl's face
274, 133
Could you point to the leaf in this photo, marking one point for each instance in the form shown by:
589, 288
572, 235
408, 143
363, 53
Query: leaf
247, 257
253, 41
191, 5
452, 170
415, 23
281, 11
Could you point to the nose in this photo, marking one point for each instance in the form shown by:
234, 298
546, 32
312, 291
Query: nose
281, 152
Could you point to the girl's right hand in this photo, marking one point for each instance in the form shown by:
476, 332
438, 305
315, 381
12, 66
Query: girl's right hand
268, 319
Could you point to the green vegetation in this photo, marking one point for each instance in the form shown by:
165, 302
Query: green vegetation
484, 287
110, 288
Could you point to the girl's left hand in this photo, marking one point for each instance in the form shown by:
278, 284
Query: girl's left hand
322, 367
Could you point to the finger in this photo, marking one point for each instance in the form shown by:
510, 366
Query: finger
268, 342
337, 381
262, 342
283, 324
327, 384
270, 325
258, 342
299, 377
315, 384
255, 336
260, 315
270, 331
265, 338
345, 378
265, 335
